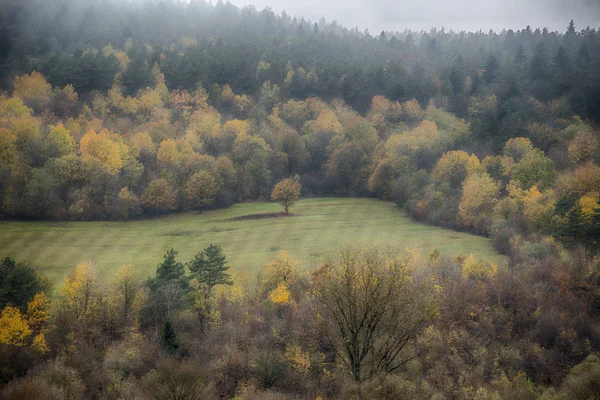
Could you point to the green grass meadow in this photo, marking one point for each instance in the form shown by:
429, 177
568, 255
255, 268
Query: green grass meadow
317, 226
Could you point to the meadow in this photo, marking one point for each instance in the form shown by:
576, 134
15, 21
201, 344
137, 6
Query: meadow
314, 228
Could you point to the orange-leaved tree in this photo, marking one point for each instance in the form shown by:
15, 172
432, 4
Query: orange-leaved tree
287, 193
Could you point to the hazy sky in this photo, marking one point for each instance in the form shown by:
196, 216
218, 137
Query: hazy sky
397, 15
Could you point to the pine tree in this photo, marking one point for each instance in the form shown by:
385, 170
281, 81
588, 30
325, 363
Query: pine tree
169, 340
169, 270
491, 69
571, 28
210, 267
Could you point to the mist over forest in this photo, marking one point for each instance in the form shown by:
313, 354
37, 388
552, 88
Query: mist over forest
357, 200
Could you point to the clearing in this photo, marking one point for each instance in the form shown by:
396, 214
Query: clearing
317, 226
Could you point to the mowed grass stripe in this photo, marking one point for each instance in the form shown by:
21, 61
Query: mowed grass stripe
317, 226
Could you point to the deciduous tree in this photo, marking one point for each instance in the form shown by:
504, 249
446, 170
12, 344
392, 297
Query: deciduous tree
371, 306
286, 193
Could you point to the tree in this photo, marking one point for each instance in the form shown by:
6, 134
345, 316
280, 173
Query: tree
201, 189
491, 69
517, 148
19, 283
159, 196
14, 329
59, 141
207, 270
80, 298
371, 305
210, 267
169, 340
34, 90
125, 290
170, 270
479, 196
535, 169
103, 148
287, 193
455, 166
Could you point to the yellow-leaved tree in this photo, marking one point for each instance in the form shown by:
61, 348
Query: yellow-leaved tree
80, 298
17, 329
328, 122
14, 329
34, 90
103, 148
479, 196
455, 166
286, 193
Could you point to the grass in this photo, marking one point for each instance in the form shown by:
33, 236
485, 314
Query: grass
316, 227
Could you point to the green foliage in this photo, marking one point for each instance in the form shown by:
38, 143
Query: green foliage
210, 267
19, 283
169, 271
168, 339
535, 169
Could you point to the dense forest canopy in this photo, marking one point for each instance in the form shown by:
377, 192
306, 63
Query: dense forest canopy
126, 109
195, 43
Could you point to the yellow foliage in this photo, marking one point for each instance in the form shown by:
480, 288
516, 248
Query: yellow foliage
424, 136
38, 311
26, 129
14, 329
236, 128
286, 193
473, 268
281, 294
299, 359
148, 99
479, 196
328, 122
455, 166
227, 94
282, 269
13, 107
588, 204
172, 154
103, 147
412, 110
33, 89
39, 343
141, 144
187, 41
79, 295
120, 55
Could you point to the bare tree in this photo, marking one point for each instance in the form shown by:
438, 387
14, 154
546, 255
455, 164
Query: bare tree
371, 305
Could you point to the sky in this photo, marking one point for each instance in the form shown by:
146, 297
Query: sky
468, 15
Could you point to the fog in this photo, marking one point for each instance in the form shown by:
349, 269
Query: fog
397, 15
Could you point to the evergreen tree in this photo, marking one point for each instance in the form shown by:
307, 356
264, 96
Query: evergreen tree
169, 340
169, 270
210, 267
491, 69
571, 29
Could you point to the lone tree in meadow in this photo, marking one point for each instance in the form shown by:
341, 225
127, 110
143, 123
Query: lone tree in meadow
287, 193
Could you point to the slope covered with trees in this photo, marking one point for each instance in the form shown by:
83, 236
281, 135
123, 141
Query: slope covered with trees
116, 110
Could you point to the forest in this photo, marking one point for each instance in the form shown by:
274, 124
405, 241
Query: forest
125, 110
